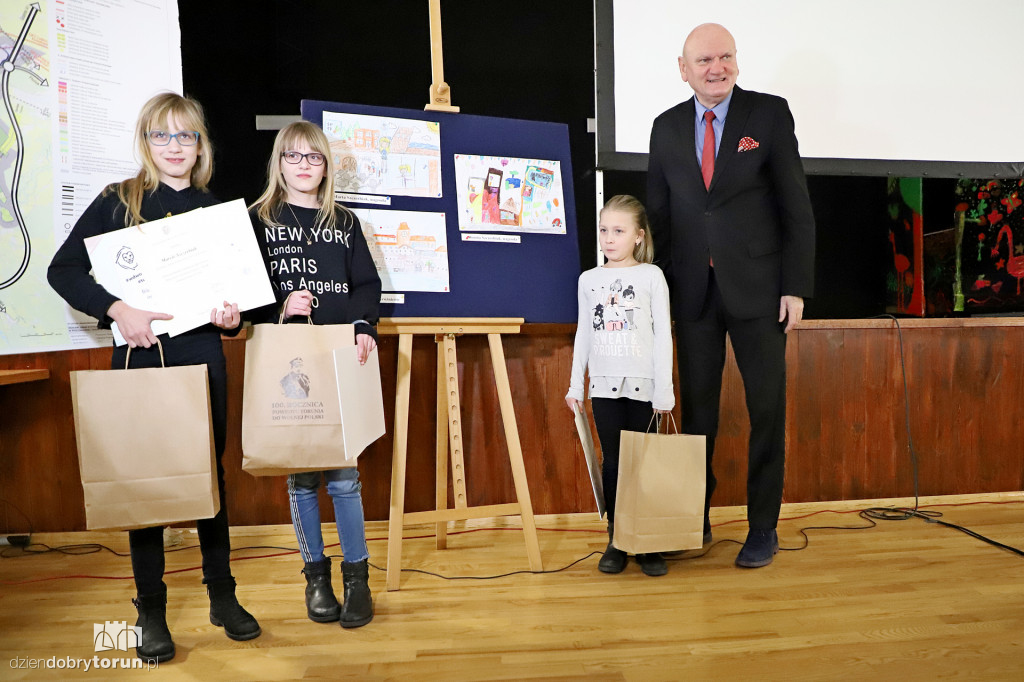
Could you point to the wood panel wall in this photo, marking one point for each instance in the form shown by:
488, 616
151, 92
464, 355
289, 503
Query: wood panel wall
845, 423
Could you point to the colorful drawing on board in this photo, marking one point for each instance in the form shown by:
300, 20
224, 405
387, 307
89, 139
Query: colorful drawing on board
905, 281
507, 194
382, 155
409, 248
992, 252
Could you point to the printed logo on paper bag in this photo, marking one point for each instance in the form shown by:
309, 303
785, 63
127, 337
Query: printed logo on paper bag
307, 393
295, 383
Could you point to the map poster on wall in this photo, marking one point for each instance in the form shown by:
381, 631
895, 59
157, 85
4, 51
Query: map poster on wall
503, 194
409, 248
383, 155
75, 75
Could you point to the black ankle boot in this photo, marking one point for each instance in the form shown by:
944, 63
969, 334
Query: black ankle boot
226, 612
613, 560
155, 645
358, 607
652, 564
321, 604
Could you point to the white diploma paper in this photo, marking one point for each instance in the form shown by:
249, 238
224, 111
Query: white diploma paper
361, 399
185, 265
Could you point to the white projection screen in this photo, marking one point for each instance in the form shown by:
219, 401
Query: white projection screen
877, 87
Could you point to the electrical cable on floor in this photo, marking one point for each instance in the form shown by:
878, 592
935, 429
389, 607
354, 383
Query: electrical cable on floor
902, 513
90, 548
873, 514
489, 577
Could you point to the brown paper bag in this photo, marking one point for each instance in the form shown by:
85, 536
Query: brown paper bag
145, 446
659, 503
291, 410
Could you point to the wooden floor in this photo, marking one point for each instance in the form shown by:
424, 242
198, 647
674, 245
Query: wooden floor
907, 600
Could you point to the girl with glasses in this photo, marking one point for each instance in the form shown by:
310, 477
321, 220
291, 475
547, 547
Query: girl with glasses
177, 161
321, 270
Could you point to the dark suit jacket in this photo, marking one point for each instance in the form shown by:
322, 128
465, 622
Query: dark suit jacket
755, 221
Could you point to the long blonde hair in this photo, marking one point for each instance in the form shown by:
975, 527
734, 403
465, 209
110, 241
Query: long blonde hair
644, 251
270, 202
189, 113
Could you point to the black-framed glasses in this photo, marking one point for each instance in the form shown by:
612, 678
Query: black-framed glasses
162, 138
314, 158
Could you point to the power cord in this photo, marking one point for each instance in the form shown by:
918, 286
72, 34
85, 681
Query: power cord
488, 577
20, 539
873, 514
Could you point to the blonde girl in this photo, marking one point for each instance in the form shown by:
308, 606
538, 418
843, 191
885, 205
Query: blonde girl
624, 339
176, 160
321, 269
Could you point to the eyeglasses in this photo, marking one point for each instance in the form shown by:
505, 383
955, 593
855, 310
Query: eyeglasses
314, 158
162, 138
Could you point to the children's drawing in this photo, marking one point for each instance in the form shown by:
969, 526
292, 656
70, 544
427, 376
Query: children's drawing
905, 279
409, 248
383, 155
506, 194
992, 252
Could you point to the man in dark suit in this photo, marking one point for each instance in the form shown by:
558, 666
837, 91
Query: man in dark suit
734, 233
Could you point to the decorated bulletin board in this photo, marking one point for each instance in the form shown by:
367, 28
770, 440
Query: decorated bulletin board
992, 247
466, 216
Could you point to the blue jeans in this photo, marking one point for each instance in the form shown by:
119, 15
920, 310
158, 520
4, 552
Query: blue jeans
343, 486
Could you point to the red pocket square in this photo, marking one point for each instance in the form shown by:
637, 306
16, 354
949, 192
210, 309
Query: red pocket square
746, 144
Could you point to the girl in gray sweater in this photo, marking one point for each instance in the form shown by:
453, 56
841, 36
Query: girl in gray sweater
624, 338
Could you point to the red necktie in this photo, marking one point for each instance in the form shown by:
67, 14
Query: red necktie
707, 157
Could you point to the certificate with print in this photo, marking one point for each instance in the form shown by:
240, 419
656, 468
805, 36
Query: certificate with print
185, 265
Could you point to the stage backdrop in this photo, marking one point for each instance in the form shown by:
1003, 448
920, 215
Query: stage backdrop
466, 216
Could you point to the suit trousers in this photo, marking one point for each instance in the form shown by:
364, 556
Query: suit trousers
759, 345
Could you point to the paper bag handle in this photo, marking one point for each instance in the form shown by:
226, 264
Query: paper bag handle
128, 355
280, 318
658, 427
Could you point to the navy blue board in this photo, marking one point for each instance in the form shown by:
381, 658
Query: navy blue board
536, 279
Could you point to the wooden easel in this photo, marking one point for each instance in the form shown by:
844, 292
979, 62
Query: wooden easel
440, 97
449, 434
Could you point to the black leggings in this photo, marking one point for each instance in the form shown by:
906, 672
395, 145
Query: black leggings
147, 544
611, 416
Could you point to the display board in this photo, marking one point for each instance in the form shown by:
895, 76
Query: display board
500, 188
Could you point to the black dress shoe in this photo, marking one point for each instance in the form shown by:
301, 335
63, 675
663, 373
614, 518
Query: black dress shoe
759, 549
652, 564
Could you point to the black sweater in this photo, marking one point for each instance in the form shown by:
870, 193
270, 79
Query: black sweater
69, 270
334, 265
